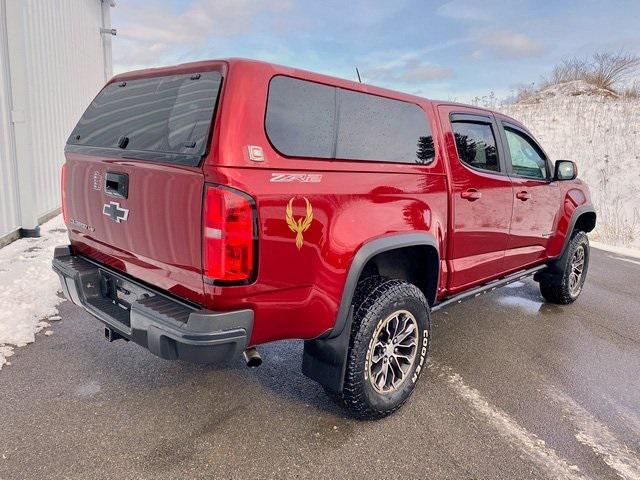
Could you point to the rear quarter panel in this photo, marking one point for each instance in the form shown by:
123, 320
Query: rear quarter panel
298, 290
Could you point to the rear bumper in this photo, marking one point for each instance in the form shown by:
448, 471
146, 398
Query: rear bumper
167, 327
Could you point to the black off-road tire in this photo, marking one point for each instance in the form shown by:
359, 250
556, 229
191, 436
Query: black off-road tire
555, 287
375, 300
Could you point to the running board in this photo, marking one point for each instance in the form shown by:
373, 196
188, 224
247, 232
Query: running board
488, 287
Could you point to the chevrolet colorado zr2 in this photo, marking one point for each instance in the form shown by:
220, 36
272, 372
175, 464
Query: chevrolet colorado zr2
219, 205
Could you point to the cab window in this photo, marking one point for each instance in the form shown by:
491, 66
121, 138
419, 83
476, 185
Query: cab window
527, 160
476, 145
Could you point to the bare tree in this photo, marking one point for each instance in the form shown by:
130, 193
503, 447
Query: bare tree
613, 72
568, 70
610, 70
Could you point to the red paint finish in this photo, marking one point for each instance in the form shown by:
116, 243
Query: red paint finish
482, 229
535, 211
481, 205
573, 194
161, 241
297, 292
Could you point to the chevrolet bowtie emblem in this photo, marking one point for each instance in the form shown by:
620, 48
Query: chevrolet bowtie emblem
115, 213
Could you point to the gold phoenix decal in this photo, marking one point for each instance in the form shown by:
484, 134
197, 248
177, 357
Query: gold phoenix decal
302, 224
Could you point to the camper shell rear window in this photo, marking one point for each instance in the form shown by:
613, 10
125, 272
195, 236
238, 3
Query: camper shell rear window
164, 119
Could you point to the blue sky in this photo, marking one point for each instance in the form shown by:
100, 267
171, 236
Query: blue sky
448, 49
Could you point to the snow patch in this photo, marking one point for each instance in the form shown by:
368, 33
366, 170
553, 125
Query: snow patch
570, 89
628, 252
5, 352
29, 287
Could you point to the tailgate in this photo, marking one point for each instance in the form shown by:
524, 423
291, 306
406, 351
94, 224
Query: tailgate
133, 181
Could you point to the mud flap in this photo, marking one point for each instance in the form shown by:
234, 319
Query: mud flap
548, 277
324, 359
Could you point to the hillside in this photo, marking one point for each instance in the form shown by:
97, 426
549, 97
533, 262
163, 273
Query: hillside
602, 135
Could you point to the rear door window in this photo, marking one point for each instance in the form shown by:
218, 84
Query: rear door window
168, 117
476, 145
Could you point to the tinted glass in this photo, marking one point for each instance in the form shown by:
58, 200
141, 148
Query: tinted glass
381, 129
526, 158
476, 145
300, 119
170, 114
301, 122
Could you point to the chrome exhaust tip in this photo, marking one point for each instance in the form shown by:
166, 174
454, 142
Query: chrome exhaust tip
252, 357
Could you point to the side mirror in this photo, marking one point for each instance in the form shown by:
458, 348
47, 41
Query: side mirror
565, 170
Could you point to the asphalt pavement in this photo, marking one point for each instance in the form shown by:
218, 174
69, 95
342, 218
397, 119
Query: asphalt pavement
516, 389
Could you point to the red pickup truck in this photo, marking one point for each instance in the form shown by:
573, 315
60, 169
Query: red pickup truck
219, 205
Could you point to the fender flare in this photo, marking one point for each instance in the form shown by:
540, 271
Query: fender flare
550, 274
577, 213
324, 358
366, 253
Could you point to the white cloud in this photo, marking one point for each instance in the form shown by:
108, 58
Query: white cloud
408, 67
508, 44
152, 33
462, 10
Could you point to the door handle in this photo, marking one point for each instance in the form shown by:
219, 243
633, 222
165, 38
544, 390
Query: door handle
524, 196
472, 195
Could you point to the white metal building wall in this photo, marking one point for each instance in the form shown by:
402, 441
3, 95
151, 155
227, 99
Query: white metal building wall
9, 215
54, 62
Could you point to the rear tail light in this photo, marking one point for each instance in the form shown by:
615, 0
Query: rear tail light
229, 251
63, 192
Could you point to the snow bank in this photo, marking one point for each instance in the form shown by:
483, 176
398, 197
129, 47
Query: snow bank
569, 89
28, 287
602, 136
626, 251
